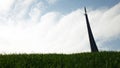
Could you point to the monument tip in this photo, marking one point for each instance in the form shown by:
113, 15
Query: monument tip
85, 10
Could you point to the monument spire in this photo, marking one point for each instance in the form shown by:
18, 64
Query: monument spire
91, 38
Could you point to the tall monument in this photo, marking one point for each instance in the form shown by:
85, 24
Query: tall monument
91, 38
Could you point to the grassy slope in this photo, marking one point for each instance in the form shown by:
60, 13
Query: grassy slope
82, 60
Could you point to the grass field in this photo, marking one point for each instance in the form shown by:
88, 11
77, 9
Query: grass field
80, 60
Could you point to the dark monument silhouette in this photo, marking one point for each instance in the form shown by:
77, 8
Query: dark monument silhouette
91, 38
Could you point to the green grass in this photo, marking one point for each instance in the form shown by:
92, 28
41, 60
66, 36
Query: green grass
80, 60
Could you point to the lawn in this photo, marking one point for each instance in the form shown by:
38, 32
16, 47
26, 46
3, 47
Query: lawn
79, 60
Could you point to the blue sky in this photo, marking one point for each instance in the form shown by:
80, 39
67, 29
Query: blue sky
66, 6
58, 26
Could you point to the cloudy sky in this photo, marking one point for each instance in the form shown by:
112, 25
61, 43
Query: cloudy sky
58, 26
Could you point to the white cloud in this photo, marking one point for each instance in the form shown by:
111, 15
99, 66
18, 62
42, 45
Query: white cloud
21, 8
36, 11
54, 32
5, 5
108, 23
34, 14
